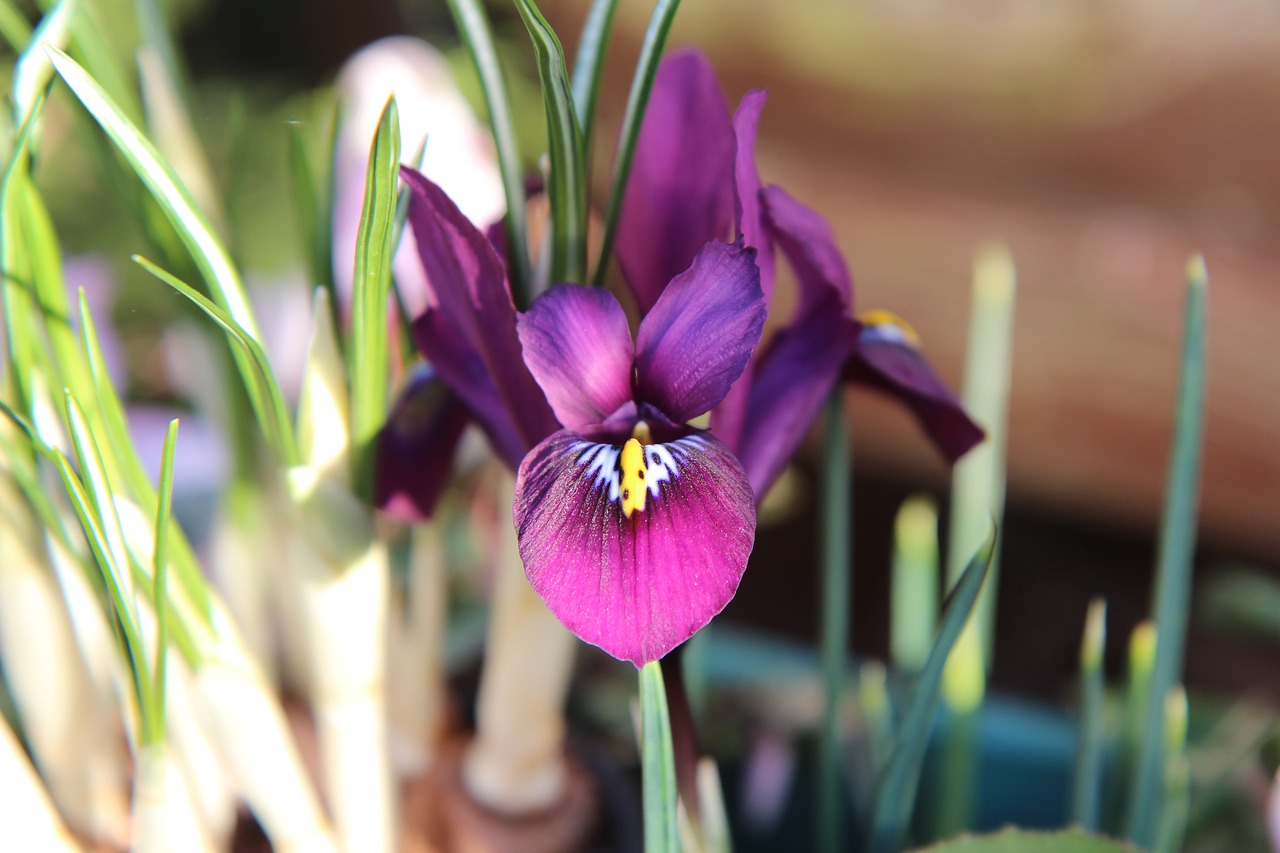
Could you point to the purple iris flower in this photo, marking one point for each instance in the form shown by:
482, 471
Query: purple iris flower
694, 179
633, 526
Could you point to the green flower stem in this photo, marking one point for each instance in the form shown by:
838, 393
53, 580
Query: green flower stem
836, 572
684, 736
657, 761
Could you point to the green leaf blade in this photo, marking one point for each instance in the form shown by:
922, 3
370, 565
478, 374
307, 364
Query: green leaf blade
1176, 552
469, 17
568, 179
588, 66
895, 793
370, 357
160, 567
264, 392
655, 41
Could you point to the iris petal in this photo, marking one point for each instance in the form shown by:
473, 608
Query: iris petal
701, 332
810, 245
728, 419
416, 447
469, 331
679, 194
578, 347
636, 580
885, 359
790, 383
747, 186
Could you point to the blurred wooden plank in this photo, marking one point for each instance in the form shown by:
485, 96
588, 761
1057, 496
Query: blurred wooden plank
1104, 145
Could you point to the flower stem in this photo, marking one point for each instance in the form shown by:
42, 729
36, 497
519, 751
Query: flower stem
836, 573
657, 759
516, 763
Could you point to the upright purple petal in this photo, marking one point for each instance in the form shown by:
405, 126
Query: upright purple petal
469, 330
729, 418
810, 246
792, 379
747, 186
416, 447
578, 347
886, 358
680, 191
637, 583
701, 332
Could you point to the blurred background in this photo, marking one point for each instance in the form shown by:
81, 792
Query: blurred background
1103, 143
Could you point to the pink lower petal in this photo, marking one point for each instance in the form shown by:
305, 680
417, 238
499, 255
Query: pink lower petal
636, 586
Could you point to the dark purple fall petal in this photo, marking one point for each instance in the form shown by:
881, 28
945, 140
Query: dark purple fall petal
679, 194
790, 383
885, 359
469, 330
807, 240
578, 347
701, 332
635, 585
416, 447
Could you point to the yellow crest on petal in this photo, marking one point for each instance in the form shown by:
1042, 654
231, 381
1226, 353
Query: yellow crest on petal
885, 320
634, 487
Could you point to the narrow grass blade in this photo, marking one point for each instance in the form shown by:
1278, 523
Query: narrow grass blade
896, 790
154, 30
32, 72
568, 179
94, 474
94, 505
89, 46
1086, 797
313, 210
369, 358
588, 66
14, 28
206, 250
469, 17
26, 353
49, 287
836, 571
160, 568
113, 424
260, 382
658, 765
914, 584
655, 40
1172, 595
